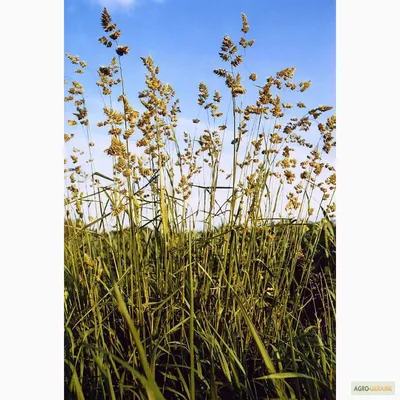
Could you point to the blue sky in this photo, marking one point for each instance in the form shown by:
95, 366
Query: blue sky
184, 38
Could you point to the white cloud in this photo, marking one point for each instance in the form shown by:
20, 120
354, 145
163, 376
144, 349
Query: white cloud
125, 3
117, 3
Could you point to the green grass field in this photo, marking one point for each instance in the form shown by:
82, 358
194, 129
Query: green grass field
222, 297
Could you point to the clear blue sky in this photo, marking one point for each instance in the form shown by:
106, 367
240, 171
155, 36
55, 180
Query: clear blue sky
184, 38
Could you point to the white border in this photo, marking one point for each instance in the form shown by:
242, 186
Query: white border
31, 200
367, 212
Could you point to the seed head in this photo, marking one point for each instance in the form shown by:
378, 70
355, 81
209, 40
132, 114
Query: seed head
253, 77
105, 18
245, 24
122, 50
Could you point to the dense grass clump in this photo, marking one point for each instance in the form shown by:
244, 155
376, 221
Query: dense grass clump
220, 288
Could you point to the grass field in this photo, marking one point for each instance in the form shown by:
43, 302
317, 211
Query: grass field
186, 280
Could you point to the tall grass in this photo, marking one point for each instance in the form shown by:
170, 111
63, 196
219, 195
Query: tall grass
183, 280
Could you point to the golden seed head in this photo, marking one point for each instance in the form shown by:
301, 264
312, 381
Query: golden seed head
105, 71
304, 85
237, 61
331, 122
110, 28
221, 73
67, 137
115, 35
227, 43
245, 24
290, 85
217, 97
287, 73
128, 172
290, 176
253, 77
122, 50
225, 57
105, 18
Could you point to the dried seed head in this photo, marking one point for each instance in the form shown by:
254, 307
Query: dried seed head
245, 24
67, 137
253, 77
115, 35
117, 148
217, 97
237, 61
105, 70
304, 85
110, 28
122, 50
203, 94
290, 176
287, 73
221, 73
290, 85
224, 56
331, 122
105, 18
227, 44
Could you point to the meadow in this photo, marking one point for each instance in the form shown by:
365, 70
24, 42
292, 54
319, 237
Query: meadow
185, 280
